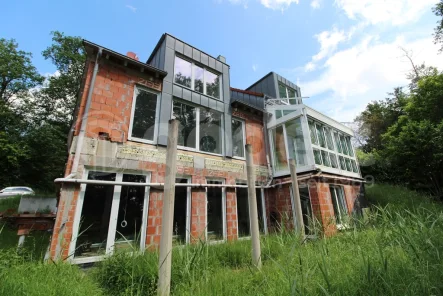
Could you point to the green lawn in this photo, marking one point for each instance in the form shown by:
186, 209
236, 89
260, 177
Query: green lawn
396, 251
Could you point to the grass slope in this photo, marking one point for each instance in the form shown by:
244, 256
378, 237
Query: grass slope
396, 251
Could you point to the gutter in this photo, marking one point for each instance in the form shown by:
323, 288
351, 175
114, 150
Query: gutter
81, 134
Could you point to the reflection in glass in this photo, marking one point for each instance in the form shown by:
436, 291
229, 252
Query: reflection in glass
320, 135
143, 124
296, 141
182, 72
238, 146
325, 157
280, 157
198, 79
333, 159
282, 91
312, 133
212, 84
317, 157
210, 131
186, 115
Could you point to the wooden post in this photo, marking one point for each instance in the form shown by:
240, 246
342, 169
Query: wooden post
297, 203
164, 265
253, 216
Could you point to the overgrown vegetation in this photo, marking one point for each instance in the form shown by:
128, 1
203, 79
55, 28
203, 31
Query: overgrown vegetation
396, 250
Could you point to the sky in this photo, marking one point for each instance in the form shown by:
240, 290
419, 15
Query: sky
342, 53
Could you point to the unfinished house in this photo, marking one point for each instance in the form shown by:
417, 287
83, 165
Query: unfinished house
112, 194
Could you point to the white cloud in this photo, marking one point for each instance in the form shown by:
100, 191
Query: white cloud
132, 8
254, 67
328, 42
315, 4
310, 67
278, 4
395, 12
367, 71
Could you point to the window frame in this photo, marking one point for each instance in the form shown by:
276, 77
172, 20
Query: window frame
110, 243
197, 128
138, 87
243, 122
205, 68
188, 206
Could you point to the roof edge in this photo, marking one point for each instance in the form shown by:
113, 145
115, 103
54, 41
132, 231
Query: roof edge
87, 43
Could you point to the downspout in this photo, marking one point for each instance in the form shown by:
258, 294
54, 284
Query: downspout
265, 132
81, 134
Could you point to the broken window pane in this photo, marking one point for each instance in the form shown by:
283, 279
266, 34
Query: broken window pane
130, 213
238, 145
143, 122
210, 131
180, 212
94, 222
186, 116
243, 211
182, 72
214, 211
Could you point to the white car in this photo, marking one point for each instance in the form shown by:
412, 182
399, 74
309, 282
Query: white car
14, 191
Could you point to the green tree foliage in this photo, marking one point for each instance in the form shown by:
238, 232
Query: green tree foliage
438, 31
17, 74
404, 134
33, 130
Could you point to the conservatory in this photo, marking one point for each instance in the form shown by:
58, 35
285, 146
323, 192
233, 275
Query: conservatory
314, 140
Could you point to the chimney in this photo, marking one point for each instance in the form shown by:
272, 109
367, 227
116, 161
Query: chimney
132, 55
221, 59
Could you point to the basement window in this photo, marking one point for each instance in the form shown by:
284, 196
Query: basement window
339, 204
242, 211
144, 115
199, 128
238, 138
181, 212
197, 78
215, 211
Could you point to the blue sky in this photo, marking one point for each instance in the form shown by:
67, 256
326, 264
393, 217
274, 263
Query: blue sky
342, 53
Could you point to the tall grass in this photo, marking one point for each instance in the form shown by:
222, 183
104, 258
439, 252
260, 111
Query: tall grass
397, 250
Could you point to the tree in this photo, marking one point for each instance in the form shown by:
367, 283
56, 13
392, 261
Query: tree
17, 74
438, 31
56, 101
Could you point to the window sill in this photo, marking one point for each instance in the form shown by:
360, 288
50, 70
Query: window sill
138, 140
238, 158
197, 151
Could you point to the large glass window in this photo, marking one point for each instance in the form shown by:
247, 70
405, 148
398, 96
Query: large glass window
285, 91
317, 157
144, 115
329, 138
238, 138
209, 128
350, 148
187, 118
339, 204
215, 213
182, 72
196, 77
337, 142
279, 151
210, 131
343, 145
296, 142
